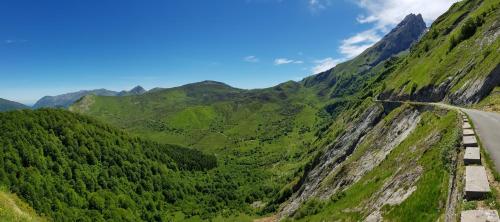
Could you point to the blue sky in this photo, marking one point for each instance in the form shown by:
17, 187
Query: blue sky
56, 46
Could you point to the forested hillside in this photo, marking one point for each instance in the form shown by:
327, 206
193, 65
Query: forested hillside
71, 167
265, 133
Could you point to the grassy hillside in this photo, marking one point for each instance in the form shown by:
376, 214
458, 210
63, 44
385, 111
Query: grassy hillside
13, 209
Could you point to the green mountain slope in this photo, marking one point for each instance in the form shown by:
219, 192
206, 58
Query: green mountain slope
6, 105
456, 61
267, 132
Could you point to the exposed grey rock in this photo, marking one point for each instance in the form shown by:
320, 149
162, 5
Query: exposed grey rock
400, 38
380, 139
473, 91
336, 153
394, 191
383, 140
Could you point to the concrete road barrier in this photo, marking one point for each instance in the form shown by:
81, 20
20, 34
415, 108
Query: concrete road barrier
479, 216
470, 141
476, 183
468, 132
472, 156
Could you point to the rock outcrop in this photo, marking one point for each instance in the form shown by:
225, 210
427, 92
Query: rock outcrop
335, 171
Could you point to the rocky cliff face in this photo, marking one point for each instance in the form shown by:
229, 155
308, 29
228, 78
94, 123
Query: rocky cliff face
376, 136
355, 154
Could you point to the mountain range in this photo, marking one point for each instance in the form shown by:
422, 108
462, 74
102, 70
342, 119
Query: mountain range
65, 100
7, 105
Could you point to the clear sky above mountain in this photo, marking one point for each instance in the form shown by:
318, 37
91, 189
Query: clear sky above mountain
57, 46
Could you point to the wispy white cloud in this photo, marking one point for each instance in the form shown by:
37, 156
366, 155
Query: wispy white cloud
283, 61
251, 58
358, 43
387, 13
318, 5
12, 41
325, 64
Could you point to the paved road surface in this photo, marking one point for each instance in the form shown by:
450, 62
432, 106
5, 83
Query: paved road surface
487, 127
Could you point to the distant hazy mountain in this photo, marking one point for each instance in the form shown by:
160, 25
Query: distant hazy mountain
7, 105
65, 100
138, 90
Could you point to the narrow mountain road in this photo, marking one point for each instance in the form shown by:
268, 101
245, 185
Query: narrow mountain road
487, 127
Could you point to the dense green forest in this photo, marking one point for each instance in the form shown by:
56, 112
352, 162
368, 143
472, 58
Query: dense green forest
71, 167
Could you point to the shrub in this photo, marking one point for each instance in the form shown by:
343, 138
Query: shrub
467, 30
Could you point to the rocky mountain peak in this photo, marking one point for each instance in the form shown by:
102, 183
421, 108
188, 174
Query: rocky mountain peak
400, 38
137, 90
